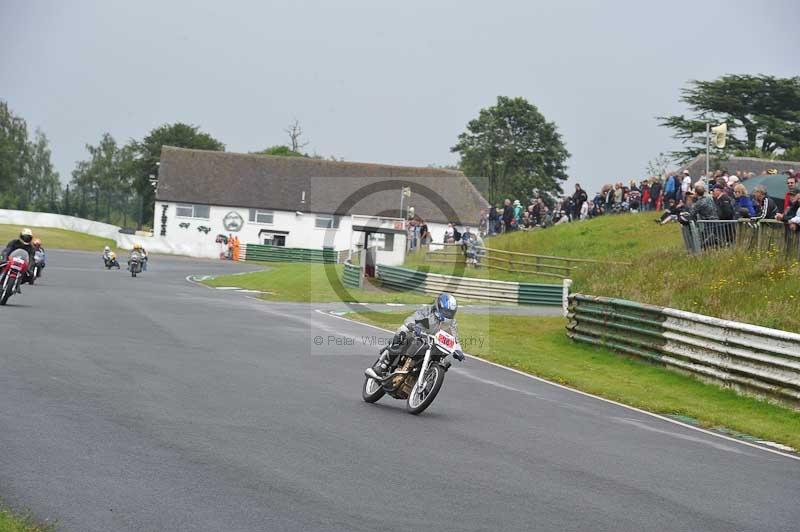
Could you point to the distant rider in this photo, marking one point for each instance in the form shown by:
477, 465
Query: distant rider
39, 255
138, 249
426, 320
23, 242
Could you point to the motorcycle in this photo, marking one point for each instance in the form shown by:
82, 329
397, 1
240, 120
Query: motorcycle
12, 273
416, 375
38, 265
111, 261
135, 264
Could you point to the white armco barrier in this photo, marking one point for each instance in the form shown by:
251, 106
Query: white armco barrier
60, 221
152, 244
159, 244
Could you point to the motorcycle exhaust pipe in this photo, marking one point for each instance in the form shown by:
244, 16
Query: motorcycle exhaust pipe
369, 372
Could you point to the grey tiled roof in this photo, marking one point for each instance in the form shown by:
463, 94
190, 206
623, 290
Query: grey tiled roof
279, 183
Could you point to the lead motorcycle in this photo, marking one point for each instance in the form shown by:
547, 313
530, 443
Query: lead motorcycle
415, 375
12, 273
135, 263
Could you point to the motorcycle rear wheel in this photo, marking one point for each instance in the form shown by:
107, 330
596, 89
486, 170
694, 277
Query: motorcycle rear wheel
418, 400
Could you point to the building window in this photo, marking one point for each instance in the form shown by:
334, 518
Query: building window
327, 221
382, 241
261, 217
193, 211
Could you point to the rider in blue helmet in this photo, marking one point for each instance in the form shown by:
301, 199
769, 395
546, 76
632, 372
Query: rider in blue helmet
427, 319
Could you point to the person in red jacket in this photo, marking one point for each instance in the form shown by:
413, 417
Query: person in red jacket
791, 185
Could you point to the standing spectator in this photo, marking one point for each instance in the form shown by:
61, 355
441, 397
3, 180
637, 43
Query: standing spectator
578, 198
703, 207
585, 210
424, 234
723, 202
791, 185
517, 212
744, 206
542, 214
792, 215
669, 189
483, 225
508, 215
686, 184
655, 195
645, 188
765, 206
494, 220
449, 234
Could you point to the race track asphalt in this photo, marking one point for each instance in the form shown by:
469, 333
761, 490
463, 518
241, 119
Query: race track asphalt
155, 404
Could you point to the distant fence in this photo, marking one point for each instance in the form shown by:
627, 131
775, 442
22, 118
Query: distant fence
765, 235
472, 288
512, 261
351, 275
284, 254
742, 356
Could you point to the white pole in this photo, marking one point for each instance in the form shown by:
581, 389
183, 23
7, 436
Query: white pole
708, 147
565, 296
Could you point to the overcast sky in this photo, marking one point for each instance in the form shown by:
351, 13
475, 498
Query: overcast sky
378, 81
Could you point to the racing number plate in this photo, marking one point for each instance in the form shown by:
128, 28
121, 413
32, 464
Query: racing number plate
445, 340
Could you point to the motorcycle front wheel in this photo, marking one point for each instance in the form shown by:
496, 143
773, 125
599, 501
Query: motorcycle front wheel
372, 390
423, 393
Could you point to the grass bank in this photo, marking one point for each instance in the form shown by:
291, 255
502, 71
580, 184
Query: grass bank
758, 288
545, 351
10, 522
310, 283
58, 238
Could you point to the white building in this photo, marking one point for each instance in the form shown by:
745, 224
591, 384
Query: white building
300, 202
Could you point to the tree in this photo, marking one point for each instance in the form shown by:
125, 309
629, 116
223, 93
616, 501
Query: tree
283, 151
106, 178
762, 113
42, 186
515, 148
148, 153
14, 157
295, 132
658, 166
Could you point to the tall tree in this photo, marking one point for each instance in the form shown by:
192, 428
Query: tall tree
515, 148
14, 157
762, 113
43, 187
148, 152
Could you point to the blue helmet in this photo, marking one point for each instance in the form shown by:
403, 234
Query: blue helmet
445, 307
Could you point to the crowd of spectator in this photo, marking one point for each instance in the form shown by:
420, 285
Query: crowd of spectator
718, 196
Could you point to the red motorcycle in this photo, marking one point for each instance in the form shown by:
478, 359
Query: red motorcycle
12, 273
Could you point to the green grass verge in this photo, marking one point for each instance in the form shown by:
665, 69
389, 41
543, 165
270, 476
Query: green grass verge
757, 288
10, 522
58, 238
309, 283
548, 353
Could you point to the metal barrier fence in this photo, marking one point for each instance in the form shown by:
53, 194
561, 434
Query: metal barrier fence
471, 288
282, 254
742, 356
512, 261
351, 275
765, 235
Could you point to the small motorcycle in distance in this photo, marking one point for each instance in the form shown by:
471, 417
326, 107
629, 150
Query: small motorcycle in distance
111, 261
38, 264
415, 376
135, 263
12, 273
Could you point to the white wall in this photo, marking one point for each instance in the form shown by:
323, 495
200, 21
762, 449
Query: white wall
302, 232
60, 221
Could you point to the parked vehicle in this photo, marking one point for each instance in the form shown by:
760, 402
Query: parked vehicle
12, 274
415, 375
